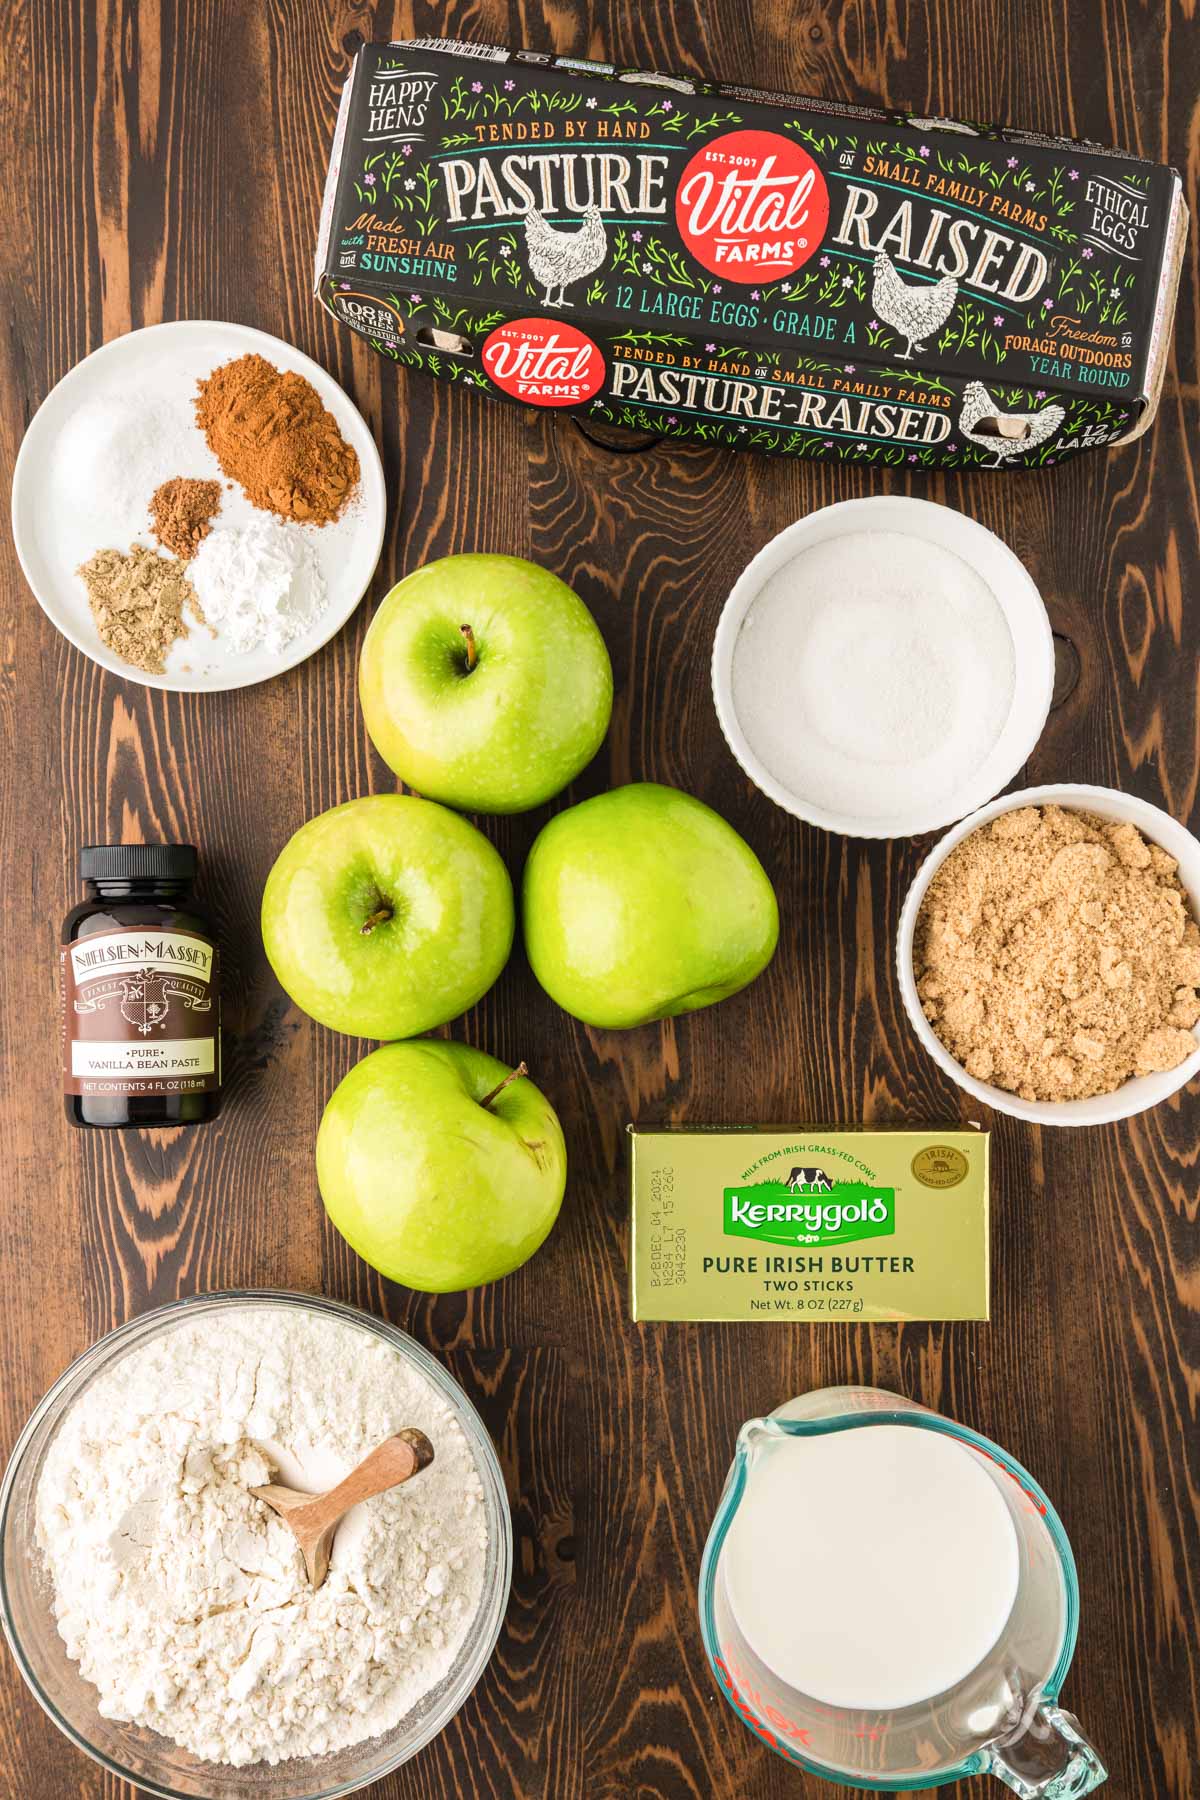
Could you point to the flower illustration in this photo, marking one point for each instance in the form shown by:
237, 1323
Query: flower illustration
343, 284
590, 101
477, 87
509, 86
847, 281
1114, 293
786, 288
637, 237
414, 298
506, 249
667, 106
1072, 174
1029, 187
754, 294
645, 268
827, 443
924, 151
671, 419
952, 448
716, 287
872, 324
1087, 253
1041, 394
849, 368
368, 181
741, 428
997, 319
710, 348
1012, 162
409, 184
407, 149
1047, 303
912, 458
824, 262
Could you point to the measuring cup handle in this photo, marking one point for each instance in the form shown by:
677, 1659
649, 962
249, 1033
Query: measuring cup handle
1047, 1758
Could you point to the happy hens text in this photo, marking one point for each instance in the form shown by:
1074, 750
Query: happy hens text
979, 254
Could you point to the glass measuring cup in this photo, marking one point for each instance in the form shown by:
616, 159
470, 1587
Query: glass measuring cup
1002, 1718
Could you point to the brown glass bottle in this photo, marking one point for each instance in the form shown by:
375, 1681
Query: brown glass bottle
140, 992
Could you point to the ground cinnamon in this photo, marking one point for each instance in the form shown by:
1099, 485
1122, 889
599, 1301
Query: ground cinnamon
181, 514
271, 434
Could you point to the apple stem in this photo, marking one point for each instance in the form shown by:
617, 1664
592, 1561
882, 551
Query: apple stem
377, 918
472, 653
513, 1075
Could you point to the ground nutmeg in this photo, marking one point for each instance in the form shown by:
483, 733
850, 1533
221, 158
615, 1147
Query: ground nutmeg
271, 433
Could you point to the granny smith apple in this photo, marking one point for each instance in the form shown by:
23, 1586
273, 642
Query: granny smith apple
387, 916
642, 903
442, 1167
485, 683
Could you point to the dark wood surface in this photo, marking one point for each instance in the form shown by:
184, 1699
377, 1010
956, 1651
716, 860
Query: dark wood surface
166, 161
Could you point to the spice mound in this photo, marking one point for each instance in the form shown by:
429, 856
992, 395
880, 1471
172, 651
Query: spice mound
271, 433
138, 600
259, 585
181, 514
1055, 955
183, 1598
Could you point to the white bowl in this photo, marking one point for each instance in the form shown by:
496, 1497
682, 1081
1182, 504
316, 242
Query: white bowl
1133, 1096
1016, 595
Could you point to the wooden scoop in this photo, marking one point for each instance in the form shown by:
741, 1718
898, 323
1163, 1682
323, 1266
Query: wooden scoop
313, 1518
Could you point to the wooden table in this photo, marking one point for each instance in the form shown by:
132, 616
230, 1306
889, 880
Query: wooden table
166, 161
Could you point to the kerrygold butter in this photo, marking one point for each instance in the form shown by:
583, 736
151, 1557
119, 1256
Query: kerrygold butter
809, 1223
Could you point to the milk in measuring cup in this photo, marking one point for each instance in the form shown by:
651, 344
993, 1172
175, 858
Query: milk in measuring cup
871, 1569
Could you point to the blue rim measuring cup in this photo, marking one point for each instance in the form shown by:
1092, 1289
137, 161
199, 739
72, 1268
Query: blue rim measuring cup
1002, 1718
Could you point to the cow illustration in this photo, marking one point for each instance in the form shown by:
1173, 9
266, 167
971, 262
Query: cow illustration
813, 1179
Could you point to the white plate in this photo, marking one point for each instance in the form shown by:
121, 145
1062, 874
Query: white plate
57, 524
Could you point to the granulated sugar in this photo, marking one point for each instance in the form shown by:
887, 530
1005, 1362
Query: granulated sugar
874, 674
183, 1598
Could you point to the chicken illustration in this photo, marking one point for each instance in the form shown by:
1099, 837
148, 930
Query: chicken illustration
1012, 434
558, 257
914, 311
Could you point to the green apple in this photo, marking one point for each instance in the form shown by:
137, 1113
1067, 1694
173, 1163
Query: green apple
387, 916
642, 903
485, 683
441, 1166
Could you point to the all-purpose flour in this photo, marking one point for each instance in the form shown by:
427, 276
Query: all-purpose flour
873, 674
183, 1598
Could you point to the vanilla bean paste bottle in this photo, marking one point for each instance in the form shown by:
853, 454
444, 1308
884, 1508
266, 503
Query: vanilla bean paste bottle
139, 988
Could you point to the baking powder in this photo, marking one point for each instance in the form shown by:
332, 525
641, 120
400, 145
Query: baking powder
183, 1598
258, 584
874, 674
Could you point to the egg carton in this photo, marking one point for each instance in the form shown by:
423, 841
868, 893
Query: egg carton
760, 270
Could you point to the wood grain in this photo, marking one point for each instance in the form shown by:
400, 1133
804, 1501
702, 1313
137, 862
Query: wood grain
166, 161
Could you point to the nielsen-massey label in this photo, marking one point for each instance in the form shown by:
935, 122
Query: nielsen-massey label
809, 1224
140, 1013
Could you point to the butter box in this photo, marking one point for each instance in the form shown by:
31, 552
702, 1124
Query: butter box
762, 270
809, 1223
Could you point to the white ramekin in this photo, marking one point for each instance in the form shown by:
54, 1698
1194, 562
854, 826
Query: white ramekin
1133, 1096
1016, 594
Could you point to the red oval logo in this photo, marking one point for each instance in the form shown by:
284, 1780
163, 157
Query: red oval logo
544, 362
752, 206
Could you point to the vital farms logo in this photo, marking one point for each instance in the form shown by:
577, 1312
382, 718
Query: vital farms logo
809, 1208
752, 206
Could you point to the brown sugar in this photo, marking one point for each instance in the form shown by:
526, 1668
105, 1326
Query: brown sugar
181, 514
271, 434
138, 600
1056, 955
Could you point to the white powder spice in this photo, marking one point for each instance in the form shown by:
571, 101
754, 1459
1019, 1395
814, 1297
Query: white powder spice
874, 674
184, 1599
258, 584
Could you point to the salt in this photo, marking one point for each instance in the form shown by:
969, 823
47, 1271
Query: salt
258, 585
874, 674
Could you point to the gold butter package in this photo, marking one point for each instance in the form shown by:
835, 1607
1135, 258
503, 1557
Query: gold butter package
809, 1223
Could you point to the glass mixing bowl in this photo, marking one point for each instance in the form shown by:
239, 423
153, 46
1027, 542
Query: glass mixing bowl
154, 1763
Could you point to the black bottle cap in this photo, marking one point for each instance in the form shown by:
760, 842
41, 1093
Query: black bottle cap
137, 862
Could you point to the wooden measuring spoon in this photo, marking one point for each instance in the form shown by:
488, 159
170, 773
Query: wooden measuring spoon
313, 1518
